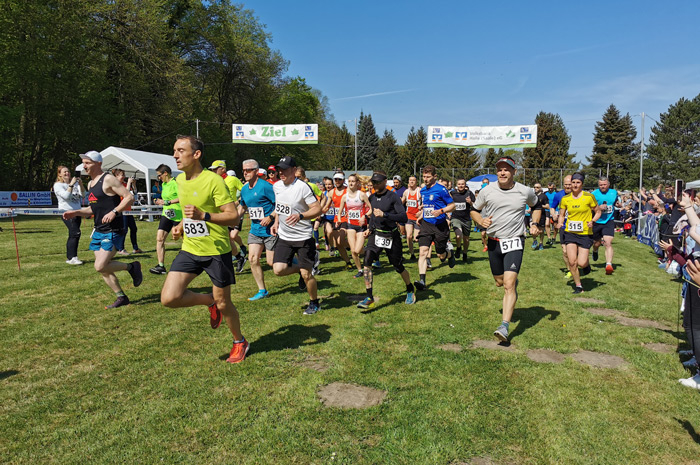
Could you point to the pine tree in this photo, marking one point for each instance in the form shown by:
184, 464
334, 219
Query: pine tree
415, 153
367, 141
387, 153
674, 143
552, 151
490, 159
465, 161
614, 148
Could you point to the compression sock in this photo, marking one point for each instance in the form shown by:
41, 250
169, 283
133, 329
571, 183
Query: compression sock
129, 267
244, 250
586, 270
422, 277
410, 288
315, 302
369, 293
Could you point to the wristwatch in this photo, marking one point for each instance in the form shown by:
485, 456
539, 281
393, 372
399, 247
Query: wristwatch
207, 216
167, 202
301, 216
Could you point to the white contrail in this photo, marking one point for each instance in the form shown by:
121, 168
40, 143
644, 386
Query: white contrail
375, 94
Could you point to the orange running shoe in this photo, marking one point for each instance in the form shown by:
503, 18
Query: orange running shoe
486, 249
609, 269
214, 316
238, 352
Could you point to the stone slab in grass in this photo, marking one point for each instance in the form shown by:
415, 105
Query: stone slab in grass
344, 395
450, 347
315, 363
382, 324
605, 312
493, 345
639, 323
545, 356
588, 300
599, 359
660, 347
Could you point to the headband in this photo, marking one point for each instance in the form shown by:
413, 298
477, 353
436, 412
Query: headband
577, 176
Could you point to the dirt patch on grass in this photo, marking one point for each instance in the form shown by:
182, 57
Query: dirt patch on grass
599, 360
660, 347
344, 395
315, 363
450, 347
477, 461
355, 298
381, 325
639, 323
545, 356
605, 312
493, 345
588, 300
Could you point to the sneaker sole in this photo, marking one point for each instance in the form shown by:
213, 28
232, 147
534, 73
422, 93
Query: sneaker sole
500, 337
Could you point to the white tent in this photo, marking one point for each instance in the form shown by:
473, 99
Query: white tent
135, 162
693, 185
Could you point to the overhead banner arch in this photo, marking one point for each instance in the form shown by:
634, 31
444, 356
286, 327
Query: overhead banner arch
482, 137
275, 133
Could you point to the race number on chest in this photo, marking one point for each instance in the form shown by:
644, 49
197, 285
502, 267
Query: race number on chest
575, 226
256, 213
283, 209
195, 228
383, 242
510, 245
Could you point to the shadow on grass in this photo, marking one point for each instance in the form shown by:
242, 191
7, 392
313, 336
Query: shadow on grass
6, 374
529, 317
601, 265
289, 337
398, 299
453, 277
589, 283
155, 298
689, 428
35, 231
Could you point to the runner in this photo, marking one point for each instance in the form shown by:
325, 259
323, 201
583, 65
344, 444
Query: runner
383, 233
578, 207
554, 211
461, 220
296, 205
411, 199
604, 228
484, 237
551, 192
326, 219
172, 214
234, 186
272, 177
356, 204
340, 219
399, 189
434, 227
207, 209
500, 210
301, 174
258, 199
544, 208
103, 194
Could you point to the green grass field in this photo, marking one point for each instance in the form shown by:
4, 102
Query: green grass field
146, 384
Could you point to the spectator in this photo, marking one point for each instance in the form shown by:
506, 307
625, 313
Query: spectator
69, 192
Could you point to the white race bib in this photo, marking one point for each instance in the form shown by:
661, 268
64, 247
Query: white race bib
608, 209
383, 242
195, 228
510, 245
331, 212
169, 213
411, 203
575, 226
256, 213
354, 214
428, 212
460, 206
283, 209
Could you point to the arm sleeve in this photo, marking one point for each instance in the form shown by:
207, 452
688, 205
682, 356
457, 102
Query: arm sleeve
532, 199
308, 195
62, 192
398, 213
480, 201
446, 197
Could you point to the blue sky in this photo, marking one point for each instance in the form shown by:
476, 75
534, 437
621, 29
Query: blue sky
490, 63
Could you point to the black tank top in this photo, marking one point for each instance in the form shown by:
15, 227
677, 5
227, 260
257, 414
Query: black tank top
101, 204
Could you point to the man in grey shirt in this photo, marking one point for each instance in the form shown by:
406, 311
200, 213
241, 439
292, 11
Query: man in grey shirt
500, 210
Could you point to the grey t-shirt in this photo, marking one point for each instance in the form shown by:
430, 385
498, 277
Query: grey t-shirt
507, 208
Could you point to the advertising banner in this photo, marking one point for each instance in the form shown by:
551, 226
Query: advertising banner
481, 137
24, 199
275, 133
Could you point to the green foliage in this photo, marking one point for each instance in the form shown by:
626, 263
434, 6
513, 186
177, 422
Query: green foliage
367, 141
552, 151
414, 154
674, 143
614, 149
387, 153
338, 148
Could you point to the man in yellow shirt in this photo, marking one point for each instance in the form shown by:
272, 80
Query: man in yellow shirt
580, 210
234, 186
208, 211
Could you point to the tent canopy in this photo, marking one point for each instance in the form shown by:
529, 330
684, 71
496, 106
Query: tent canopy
474, 183
693, 185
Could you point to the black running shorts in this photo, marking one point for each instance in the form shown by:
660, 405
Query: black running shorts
500, 262
394, 253
437, 233
305, 251
218, 267
604, 229
166, 224
583, 241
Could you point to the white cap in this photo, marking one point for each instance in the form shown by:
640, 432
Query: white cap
338, 176
230, 173
92, 155
262, 172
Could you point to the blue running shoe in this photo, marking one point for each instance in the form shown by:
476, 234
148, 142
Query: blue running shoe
366, 303
535, 244
410, 298
262, 293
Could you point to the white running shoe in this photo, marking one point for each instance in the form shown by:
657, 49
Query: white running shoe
74, 261
690, 363
693, 382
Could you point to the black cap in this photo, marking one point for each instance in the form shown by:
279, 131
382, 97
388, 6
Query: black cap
378, 177
286, 162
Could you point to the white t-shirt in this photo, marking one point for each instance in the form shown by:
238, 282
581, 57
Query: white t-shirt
68, 199
507, 208
290, 199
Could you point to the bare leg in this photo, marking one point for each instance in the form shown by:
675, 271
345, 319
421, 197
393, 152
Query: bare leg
510, 297
311, 284
176, 295
254, 256
222, 297
160, 245
572, 255
106, 267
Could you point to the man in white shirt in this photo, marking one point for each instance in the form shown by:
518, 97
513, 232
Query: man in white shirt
295, 208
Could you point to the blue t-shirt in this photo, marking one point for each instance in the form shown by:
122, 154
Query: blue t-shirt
550, 196
400, 191
330, 214
556, 200
435, 198
260, 202
607, 200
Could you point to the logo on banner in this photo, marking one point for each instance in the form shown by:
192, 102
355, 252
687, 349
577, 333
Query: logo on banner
436, 130
510, 133
524, 129
461, 135
437, 137
525, 137
239, 128
308, 132
240, 134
